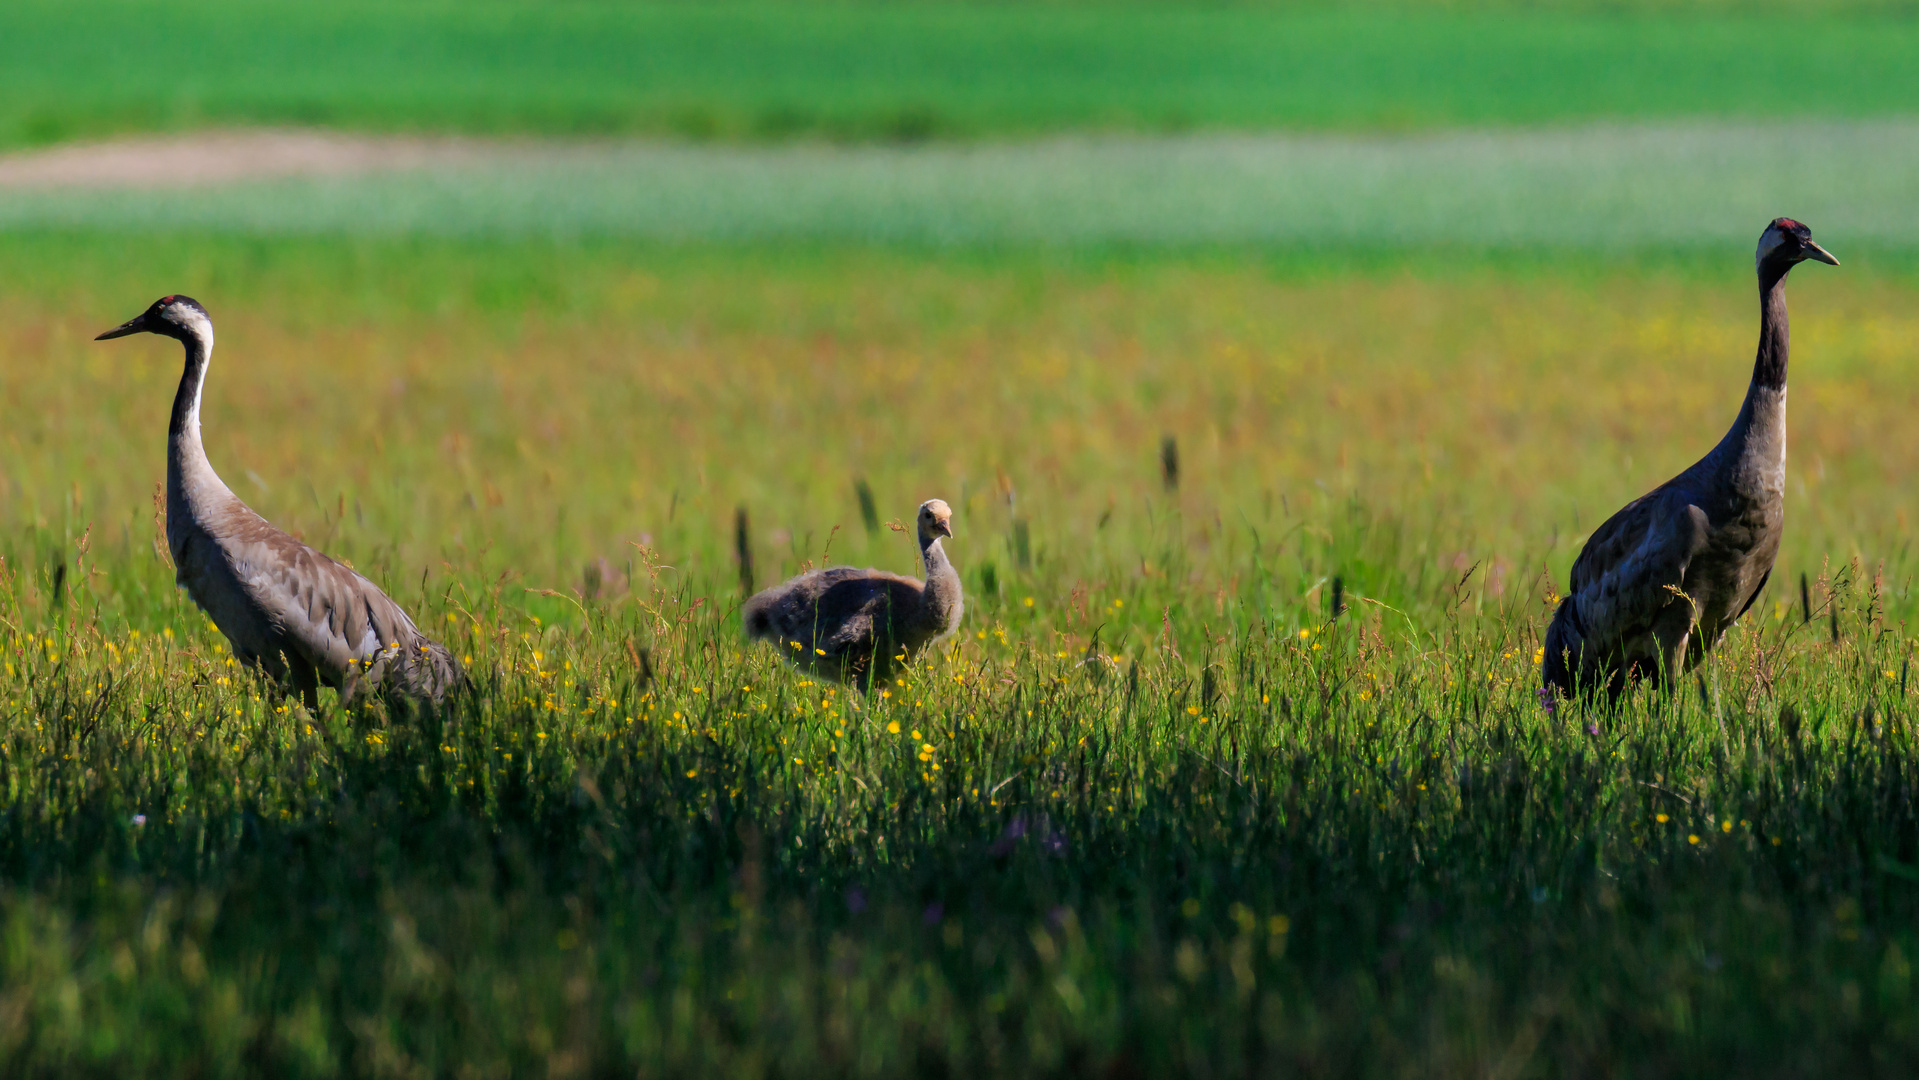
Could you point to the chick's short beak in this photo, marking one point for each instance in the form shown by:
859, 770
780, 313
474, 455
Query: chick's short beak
1814, 251
944, 528
132, 326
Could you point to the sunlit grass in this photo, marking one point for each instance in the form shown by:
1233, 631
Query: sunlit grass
574, 402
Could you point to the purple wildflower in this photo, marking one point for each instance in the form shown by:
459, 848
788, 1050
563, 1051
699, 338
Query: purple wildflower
1009, 838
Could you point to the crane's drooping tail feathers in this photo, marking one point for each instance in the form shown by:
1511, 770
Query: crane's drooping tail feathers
758, 619
1563, 647
427, 671
421, 670
790, 611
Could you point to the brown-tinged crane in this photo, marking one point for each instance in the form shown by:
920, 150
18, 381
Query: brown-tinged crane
288, 610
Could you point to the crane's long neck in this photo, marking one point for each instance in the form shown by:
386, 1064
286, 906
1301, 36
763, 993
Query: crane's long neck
1775, 332
184, 429
939, 603
1750, 462
192, 485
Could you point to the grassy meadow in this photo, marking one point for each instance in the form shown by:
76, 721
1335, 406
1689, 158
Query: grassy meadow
1233, 769
1156, 810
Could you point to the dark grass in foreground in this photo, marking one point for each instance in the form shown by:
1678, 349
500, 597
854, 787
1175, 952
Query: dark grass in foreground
911, 71
1319, 849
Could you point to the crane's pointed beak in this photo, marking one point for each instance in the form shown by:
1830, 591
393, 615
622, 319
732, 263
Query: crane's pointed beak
1814, 251
135, 325
944, 528
123, 328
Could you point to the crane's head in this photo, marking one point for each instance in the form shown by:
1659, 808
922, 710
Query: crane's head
936, 518
1787, 243
173, 316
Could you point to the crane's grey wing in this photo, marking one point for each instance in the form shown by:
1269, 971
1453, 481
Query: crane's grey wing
866, 609
343, 624
842, 621
834, 605
789, 611
1616, 539
1750, 600
1629, 574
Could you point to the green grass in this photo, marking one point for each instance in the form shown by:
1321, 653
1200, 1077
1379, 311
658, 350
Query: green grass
1339, 865
1253, 839
885, 71
1156, 811
1617, 189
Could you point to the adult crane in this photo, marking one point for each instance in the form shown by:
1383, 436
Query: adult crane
1661, 581
288, 611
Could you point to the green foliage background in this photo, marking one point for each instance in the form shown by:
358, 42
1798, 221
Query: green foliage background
915, 70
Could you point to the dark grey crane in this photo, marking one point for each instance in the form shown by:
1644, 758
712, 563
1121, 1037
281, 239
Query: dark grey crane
1661, 581
860, 625
288, 611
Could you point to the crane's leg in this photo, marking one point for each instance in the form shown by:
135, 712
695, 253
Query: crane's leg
872, 667
1673, 632
305, 681
270, 668
1562, 661
853, 668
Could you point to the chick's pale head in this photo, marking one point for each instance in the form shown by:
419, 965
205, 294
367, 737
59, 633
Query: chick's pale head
936, 518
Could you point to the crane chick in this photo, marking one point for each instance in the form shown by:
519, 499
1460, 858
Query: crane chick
288, 611
860, 625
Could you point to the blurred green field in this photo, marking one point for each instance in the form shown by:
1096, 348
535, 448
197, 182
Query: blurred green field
546, 405
1156, 811
1615, 190
909, 71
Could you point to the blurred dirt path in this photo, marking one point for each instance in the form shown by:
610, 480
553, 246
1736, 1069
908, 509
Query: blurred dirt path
184, 161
